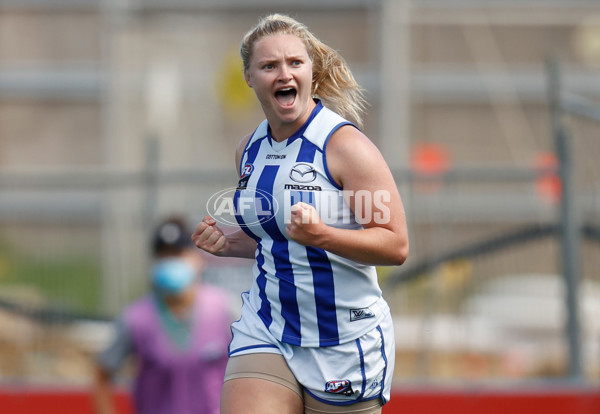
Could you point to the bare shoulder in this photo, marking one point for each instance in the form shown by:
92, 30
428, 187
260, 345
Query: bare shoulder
241, 146
350, 141
239, 150
349, 147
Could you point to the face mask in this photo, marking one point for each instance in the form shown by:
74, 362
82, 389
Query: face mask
172, 276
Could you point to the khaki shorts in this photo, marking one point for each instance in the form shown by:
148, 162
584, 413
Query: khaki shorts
272, 367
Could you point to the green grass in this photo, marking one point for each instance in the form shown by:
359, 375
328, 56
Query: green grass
72, 283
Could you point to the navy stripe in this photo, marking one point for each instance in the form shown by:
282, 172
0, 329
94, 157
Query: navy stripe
340, 403
307, 152
307, 197
252, 347
383, 401
240, 219
287, 294
327, 172
265, 183
253, 151
320, 265
283, 267
318, 107
324, 295
261, 281
247, 145
362, 368
301, 130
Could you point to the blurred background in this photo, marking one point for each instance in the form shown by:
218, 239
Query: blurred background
116, 113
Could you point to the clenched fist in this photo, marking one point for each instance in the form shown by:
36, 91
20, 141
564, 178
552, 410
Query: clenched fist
305, 226
209, 237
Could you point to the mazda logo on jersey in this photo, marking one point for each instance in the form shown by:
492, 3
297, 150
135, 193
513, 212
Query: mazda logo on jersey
303, 173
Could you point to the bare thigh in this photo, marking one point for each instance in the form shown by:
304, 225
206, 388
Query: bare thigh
264, 384
259, 396
312, 406
260, 384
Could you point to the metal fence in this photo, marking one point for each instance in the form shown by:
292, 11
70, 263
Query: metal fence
482, 296
503, 279
506, 279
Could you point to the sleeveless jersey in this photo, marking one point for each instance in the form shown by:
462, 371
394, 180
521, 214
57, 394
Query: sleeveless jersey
304, 295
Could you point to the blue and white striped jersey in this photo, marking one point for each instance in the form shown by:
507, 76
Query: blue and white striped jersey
305, 296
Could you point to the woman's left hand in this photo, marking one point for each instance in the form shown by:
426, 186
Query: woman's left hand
305, 226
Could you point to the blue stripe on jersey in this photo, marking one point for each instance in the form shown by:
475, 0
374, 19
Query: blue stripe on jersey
265, 183
261, 281
252, 152
287, 295
240, 219
301, 130
307, 197
324, 295
319, 263
283, 267
307, 152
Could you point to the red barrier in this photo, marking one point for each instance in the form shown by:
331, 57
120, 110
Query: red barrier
543, 400
28, 401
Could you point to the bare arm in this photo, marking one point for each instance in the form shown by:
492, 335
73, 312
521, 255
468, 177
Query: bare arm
102, 392
107, 363
358, 166
209, 237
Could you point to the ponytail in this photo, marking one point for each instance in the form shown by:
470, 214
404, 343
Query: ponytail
334, 83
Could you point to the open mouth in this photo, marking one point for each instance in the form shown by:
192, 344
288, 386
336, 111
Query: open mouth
286, 96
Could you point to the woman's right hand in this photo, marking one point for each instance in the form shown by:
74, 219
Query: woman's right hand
209, 237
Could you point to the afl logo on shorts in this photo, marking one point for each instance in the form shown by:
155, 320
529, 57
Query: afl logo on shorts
343, 387
247, 170
303, 173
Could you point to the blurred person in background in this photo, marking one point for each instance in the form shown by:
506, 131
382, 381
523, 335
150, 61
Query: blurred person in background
178, 334
315, 335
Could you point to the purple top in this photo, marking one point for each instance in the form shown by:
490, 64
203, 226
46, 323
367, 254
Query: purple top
172, 379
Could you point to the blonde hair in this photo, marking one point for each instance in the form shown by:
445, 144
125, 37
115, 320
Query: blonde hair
332, 80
